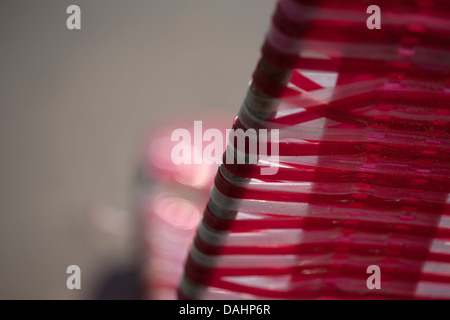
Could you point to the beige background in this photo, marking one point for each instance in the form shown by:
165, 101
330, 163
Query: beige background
76, 106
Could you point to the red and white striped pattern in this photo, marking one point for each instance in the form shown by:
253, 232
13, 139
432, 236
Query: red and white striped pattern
364, 172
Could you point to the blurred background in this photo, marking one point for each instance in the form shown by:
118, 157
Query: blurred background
77, 107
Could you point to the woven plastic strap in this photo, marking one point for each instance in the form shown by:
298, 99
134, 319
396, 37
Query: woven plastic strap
363, 176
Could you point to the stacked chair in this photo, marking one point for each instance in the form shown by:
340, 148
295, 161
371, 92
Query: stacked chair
359, 120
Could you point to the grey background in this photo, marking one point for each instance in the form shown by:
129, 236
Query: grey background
76, 107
